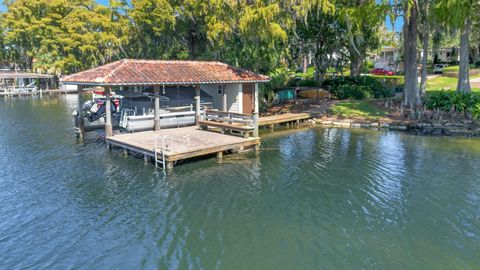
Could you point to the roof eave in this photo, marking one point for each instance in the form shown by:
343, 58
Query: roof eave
160, 83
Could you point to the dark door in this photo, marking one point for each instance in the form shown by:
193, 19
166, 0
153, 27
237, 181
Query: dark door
248, 95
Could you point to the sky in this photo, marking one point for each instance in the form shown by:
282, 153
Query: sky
398, 24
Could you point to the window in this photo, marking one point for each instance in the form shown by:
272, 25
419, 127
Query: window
220, 89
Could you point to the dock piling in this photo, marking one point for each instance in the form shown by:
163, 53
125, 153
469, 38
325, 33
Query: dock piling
220, 156
79, 118
108, 113
146, 159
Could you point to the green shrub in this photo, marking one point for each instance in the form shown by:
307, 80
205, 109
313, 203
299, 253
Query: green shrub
308, 83
475, 111
299, 81
278, 78
346, 91
359, 87
453, 101
367, 66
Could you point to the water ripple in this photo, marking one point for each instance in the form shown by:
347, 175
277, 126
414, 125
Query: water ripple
315, 198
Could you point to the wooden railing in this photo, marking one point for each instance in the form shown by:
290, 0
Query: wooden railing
228, 121
228, 117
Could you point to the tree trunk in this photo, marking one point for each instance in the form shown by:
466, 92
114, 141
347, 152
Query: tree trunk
355, 64
305, 63
423, 81
411, 92
191, 44
463, 85
319, 75
435, 56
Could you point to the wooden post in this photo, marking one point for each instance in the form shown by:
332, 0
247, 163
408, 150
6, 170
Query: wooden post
197, 104
80, 119
146, 159
108, 113
255, 112
156, 119
224, 103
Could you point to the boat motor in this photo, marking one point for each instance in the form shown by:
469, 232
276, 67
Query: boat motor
94, 110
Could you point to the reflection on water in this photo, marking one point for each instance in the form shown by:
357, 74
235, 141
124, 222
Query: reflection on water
315, 198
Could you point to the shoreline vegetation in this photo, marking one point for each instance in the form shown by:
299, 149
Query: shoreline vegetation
373, 114
444, 112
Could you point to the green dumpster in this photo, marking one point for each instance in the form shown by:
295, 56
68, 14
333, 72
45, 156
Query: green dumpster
286, 94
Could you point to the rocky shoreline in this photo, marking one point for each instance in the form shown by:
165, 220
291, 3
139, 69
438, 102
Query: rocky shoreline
461, 128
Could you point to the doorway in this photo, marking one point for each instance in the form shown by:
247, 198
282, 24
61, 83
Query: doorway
248, 96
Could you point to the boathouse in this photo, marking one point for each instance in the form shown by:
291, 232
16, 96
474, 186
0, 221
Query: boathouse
20, 82
234, 106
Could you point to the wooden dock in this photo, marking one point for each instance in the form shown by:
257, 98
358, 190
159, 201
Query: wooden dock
287, 118
37, 93
185, 143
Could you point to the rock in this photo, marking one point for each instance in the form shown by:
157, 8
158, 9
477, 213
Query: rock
424, 125
384, 125
355, 125
341, 124
326, 123
374, 125
399, 127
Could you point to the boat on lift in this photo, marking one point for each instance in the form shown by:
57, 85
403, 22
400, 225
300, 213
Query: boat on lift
132, 111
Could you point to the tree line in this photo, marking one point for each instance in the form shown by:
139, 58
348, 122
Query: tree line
66, 36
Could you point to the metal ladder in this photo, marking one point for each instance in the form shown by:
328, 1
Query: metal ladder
124, 116
163, 149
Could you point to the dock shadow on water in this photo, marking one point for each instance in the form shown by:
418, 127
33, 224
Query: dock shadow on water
314, 198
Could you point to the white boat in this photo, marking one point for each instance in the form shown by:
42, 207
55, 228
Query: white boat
134, 123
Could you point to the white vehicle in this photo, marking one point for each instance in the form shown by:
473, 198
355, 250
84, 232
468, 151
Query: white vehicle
438, 68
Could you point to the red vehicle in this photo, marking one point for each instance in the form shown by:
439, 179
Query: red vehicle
382, 71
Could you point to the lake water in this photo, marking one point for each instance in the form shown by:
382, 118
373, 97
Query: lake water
313, 199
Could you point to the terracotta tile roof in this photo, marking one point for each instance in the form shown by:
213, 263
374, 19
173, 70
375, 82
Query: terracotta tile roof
150, 72
23, 75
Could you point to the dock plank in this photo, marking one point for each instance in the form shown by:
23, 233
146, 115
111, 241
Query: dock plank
187, 142
282, 118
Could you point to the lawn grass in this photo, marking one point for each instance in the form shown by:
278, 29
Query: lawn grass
442, 82
436, 85
457, 68
309, 75
400, 77
358, 109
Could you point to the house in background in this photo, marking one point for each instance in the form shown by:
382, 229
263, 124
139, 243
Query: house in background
387, 58
390, 57
447, 55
